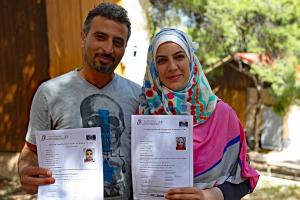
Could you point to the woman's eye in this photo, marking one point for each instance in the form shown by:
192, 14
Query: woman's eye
160, 61
179, 57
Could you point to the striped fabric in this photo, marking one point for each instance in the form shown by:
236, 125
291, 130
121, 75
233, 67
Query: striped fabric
220, 151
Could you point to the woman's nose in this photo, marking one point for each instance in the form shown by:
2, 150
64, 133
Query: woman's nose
172, 65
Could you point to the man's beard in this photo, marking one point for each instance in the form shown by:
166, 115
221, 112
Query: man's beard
102, 69
99, 67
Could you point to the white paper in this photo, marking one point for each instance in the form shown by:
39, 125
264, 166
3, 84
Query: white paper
75, 158
160, 160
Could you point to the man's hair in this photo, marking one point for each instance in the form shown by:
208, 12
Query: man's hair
110, 11
89, 150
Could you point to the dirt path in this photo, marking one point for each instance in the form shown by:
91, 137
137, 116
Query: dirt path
268, 188
271, 188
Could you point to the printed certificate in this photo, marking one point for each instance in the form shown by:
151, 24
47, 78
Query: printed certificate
161, 153
75, 158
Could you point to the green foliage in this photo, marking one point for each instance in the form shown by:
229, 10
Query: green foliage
283, 83
224, 27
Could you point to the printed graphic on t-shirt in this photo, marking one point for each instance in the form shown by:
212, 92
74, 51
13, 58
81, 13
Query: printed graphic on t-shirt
100, 110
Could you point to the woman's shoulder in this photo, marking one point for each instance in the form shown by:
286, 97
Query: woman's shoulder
223, 108
223, 113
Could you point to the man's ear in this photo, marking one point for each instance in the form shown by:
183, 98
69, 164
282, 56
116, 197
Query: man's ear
83, 38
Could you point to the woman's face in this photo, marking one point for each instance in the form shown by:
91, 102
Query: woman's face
172, 65
180, 142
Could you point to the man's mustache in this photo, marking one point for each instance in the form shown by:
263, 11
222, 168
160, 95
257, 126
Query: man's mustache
105, 55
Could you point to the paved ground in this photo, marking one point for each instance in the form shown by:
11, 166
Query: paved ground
285, 164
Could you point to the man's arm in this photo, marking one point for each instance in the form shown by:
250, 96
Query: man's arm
31, 176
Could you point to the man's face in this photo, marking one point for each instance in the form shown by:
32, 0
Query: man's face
104, 44
89, 155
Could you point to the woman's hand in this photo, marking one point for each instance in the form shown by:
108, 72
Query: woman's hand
193, 193
185, 193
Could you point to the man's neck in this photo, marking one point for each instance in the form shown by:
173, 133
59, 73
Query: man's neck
97, 79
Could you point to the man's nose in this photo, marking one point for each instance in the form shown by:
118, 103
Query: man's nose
108, 47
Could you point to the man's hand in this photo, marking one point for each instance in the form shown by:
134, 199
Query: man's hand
31, 176
193, 193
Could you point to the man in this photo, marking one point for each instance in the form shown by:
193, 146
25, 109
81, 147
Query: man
89, 155
88, 97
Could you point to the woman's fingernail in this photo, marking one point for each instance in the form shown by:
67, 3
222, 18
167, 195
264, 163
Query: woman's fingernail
50, 181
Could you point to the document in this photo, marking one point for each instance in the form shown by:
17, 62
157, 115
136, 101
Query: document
75, 158
161, 153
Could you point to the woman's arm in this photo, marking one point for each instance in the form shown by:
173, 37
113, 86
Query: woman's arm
234, 191
193, 193
225, 191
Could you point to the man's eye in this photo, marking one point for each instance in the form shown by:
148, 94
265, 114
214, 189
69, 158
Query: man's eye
100, 37
118, 44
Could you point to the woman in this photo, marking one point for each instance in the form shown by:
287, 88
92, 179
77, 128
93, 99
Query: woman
175, 84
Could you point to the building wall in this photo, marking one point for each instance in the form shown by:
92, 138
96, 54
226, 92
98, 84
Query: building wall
135, 58
231, 86
39, 39
24, 64
65, 41
64, 22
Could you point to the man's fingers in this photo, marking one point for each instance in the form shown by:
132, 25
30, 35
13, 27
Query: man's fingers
36, 181
30, 189
36, 171
32, 177
30, 185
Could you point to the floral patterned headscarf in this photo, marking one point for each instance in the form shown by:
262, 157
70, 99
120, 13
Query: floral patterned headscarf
195, 99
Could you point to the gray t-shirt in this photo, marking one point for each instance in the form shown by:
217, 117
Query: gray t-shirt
69, 101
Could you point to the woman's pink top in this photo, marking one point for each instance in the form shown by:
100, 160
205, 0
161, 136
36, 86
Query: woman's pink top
220, 150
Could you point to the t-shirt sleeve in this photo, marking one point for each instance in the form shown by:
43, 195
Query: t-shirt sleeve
39, 116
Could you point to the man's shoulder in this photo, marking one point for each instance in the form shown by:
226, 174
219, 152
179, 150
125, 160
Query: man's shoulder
60, 81
124, 82
58, 85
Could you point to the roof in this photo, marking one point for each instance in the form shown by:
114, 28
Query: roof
247, 58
